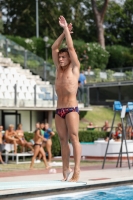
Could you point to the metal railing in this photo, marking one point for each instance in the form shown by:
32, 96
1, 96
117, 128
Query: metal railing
27, 59
110, 75
28, 96
46, 71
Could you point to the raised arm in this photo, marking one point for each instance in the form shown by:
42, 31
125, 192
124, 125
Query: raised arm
57, 44
55, 48
72, 53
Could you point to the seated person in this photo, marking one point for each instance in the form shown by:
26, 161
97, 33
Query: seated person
119, 137
22, 141
118, 130
105, 127
90, 126
10, 137
1, 142
106, 138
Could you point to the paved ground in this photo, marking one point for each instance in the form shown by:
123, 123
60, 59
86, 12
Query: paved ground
39, 182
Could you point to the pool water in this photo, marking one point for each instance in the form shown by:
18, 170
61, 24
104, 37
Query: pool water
86, 143
115, 193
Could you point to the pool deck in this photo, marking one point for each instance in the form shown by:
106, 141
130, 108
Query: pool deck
90, 178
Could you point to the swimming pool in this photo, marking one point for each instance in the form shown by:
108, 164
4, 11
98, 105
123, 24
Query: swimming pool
115, 193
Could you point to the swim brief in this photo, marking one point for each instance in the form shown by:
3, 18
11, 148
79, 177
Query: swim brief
62, 112
36, 144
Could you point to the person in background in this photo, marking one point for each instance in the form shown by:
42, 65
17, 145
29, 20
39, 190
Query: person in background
42, 126
90, 126
82, 78
38, 138
48, 134
22, 141
10, 137
129, 128
119, 138
89, 70
1, 142
105, 126
106, 138
118, 131
82, 81
78, 91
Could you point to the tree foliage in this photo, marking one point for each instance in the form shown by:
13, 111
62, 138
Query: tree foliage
20, 18
1, 24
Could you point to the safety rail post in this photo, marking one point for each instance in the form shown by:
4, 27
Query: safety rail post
35, 95
25, 59
6, 41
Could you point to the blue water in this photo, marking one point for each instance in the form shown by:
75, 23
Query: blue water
87, 142
115, 193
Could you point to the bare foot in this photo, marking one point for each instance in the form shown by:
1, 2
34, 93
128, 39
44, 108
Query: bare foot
75, 176
66, 174
47, 167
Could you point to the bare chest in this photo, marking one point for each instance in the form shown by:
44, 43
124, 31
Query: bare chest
65, 77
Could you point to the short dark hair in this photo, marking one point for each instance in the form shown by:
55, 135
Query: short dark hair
63, 50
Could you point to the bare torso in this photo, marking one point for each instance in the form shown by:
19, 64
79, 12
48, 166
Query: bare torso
10, 134
20, 134
66, 85
37, 139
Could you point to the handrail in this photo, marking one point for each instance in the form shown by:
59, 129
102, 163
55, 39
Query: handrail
27, 59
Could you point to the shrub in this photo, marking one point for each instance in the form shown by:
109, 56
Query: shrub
98, 57
119, 56
110, 75
129, 75
97, 74
82, 114
89, 54
91, 135
35, 45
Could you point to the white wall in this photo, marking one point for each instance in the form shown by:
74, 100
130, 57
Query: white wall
25, 119
99, 147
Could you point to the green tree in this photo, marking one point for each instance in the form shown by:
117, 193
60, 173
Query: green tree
113, 20
99, 14
127, 25
1, 24
21, 17
119, 23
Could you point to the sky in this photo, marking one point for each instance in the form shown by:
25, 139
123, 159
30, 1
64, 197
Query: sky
120, 1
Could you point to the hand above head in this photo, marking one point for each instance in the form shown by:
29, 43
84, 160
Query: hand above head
62, 22
70, 27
